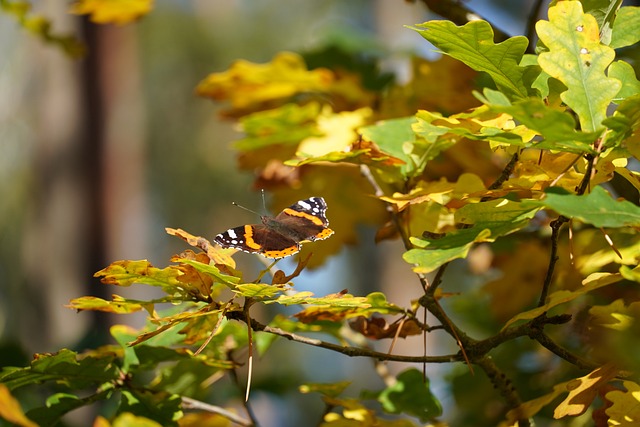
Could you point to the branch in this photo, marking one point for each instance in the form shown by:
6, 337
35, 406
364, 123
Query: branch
346, 350
505, 387
556, 225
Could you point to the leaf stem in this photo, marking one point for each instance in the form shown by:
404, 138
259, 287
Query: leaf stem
189, 403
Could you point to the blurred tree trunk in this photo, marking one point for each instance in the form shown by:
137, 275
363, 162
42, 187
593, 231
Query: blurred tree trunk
88, 185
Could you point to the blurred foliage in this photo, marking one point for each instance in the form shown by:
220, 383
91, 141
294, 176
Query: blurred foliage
449, 167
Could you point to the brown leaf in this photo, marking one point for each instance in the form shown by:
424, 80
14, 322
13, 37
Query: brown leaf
377, 327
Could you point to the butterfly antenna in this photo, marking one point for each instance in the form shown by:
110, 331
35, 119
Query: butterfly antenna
264, 201
246, 209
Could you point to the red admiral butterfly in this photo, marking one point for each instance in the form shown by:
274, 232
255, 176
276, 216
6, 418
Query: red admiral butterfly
280, 237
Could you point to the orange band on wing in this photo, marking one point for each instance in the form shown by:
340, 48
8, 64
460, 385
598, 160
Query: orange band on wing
248, 238
304, 215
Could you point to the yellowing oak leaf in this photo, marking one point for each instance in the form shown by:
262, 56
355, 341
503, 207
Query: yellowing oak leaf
578, 59
118, 12
625, 410
338, 132
583, 390
253, 87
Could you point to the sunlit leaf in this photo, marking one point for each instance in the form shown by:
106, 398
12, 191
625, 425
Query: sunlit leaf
258, 290
127, 419
326, 389
118, 12
354, 413
578, 59
473, 44
11, 411
532, 407
557, 128
118, 305
591, 283
338, 132
583, 390
208, 269
217, 254
624, 72
612, 316
411, 395
252, 87
126, 273
394, 137
336, 308
625, 408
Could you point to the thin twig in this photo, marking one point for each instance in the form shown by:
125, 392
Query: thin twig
189, 403
563, 353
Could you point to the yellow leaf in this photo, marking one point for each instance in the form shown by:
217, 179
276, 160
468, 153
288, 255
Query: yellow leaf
339, 132
253, 87
583, 390
127, 419
612, 316
530, 408
625, 410
594, 281
11, 411
118, 12
217, 254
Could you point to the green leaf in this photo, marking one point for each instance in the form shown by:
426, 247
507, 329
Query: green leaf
286, 125
394, 137
593, 282
578, 59
491, 220
625, 28
124, 334
558, 128
411, 395
473, 44
165, 408
624, 72
426, 261
60, 404
261, 291
597, 208
210, 270
64, 367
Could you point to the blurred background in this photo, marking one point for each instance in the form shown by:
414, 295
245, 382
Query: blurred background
98, 155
